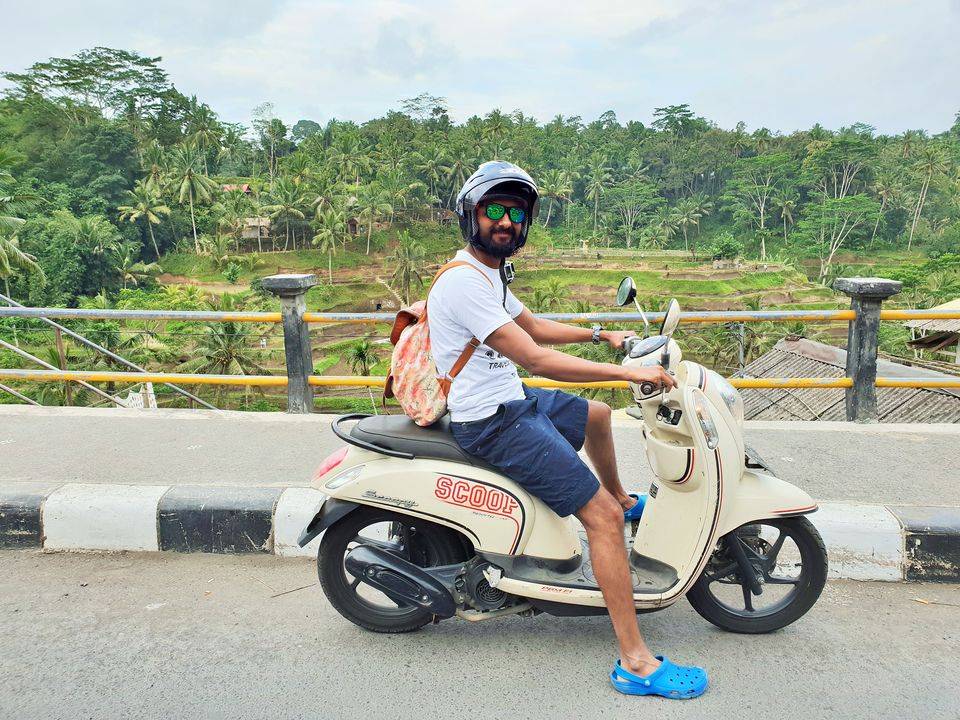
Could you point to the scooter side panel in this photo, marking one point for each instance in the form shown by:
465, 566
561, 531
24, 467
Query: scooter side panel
760, 496
493, 512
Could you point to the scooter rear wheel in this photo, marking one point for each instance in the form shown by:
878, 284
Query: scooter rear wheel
791, 578
422, 543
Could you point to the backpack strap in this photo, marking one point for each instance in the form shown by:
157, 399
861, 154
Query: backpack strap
467, 352
461, 363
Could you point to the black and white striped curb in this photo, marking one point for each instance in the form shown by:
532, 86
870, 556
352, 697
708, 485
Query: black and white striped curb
179, 518
864, 542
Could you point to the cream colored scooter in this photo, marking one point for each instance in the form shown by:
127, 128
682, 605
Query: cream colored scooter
415, 530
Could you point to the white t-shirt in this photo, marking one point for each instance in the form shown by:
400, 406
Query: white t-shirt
463, 305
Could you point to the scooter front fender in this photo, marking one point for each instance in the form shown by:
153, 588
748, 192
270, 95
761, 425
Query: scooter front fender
330, 512
760, 496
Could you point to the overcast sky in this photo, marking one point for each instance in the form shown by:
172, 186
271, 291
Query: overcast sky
783, 65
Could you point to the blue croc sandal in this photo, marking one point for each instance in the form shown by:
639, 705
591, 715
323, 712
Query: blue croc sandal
668, 680
636, 511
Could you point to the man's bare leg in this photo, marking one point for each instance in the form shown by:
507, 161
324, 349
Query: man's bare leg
599, 448
602, 517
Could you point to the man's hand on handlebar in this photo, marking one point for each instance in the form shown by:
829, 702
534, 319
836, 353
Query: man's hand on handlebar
616, 338
653, 374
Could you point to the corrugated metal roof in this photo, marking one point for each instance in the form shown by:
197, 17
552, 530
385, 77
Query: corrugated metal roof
931, 325
805, 358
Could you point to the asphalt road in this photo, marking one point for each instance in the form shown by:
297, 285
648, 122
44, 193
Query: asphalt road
182, 636
904, 464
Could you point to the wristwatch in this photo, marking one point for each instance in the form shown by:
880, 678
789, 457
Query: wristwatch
596, 334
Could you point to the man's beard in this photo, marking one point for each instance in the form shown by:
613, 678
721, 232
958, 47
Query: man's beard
495, 249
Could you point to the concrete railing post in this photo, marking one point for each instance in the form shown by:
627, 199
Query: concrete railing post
292, 291
866, 297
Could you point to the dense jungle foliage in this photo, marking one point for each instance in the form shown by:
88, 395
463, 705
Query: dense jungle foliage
109, 176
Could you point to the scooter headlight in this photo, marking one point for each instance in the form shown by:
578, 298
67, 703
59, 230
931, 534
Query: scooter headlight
344, 477
728, 392
701, 409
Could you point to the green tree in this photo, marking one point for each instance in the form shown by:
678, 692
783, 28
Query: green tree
226, 348
632, 202
407, 262
189, 184
754, 185
146, 205
686, 216
284, 201
785, 204
371, 206
827, 225
325, 240
598, 178
555, 186
12, 261
931, 161
130, 268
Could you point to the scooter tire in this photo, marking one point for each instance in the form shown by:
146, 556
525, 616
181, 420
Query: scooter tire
444, 546
814, 556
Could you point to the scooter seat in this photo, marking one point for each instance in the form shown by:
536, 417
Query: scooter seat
400, 433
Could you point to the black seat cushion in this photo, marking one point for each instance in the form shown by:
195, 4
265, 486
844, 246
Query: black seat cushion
400, 433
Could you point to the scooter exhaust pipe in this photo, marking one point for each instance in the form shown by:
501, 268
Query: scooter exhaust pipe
400, 580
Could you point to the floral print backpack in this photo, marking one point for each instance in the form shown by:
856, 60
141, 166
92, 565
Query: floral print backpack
413, 379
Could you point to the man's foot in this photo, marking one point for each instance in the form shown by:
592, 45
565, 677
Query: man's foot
634, 510
668, 680
642, 666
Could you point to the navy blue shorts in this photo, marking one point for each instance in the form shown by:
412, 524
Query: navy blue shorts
534, 442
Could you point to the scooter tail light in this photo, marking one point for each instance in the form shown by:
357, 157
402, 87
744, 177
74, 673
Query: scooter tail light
331, 462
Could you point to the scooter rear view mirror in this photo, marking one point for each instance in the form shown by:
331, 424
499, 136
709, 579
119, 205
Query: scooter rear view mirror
671, 318
626, 293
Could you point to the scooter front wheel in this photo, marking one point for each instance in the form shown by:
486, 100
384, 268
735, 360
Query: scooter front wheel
421, 542
788, 564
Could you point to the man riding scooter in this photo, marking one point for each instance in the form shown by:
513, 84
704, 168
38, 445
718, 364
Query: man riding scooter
533, 435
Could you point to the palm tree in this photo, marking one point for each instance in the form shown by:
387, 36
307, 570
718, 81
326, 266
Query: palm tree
326, 240
234, 208
284, 201
685, 215
217, 248
702, 205
12, 260
598, 179
130, 269
350, 158
408, 260
93, 233
189, 184
554, 294
785, 204
299, 168
458, 171
155, 161
362, 356
665, 224
398, 189
932, 161
226, 348
233, 148
372, 205
391, 154
203, 130
555, 185
431, 163
146, 204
